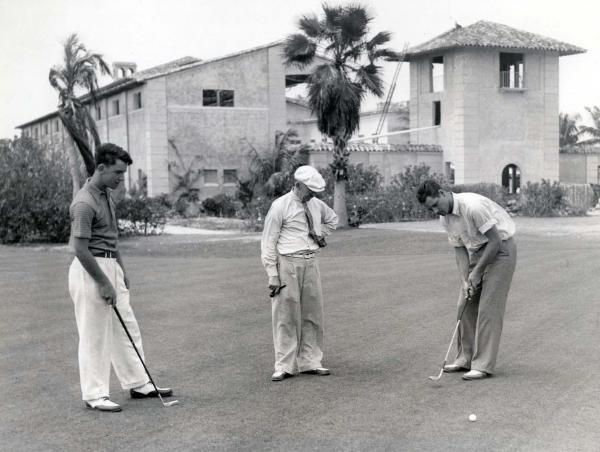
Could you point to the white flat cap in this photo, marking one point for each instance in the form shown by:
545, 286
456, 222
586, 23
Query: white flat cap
310, 177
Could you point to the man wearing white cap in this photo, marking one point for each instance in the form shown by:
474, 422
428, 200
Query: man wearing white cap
293, 233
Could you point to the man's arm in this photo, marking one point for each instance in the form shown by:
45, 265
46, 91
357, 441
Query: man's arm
82, 253
489, 253
268, 244
462, 263
329, 219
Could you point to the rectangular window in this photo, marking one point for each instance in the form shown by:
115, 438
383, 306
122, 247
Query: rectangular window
46, 129
230, 176
211, 177
98, 112
35, 132
226, 98
598, 181
115, 107
56, 126
217, 98
26, 132
437, 74
137, 101
512, 71
437, 113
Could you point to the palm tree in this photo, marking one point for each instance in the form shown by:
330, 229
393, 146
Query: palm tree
272, 172
337, 87
594, 130
568, 130
78, 72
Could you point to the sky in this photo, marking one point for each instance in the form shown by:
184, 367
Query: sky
152, 32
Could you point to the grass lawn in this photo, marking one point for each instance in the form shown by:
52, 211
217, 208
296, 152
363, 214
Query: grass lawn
390, 299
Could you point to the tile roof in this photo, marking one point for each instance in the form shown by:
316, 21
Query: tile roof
491, 34
373, 147
580, 149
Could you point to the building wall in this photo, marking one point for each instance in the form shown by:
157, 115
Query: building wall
484, 128
389, 164
309, 133
579, 168
219, 138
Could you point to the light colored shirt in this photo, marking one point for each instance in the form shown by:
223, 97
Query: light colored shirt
286, 228
93, 217
472, 216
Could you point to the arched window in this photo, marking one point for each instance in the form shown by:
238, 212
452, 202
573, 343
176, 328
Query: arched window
511, 178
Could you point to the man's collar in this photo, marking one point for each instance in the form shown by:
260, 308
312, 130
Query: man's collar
454, 205
95, 191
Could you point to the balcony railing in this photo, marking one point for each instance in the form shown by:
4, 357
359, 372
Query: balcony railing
511, 80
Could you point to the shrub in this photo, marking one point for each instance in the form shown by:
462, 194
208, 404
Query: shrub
221, 205
35, 193
395, 202
596, 198
495, 192
543, 199
361, 180
140, 215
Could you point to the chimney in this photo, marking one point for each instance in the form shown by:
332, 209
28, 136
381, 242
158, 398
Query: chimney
123, 69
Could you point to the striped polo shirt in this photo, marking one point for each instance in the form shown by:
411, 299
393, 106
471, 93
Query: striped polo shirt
93, 217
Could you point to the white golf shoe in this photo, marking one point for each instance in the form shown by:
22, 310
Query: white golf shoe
474, 375
102, 404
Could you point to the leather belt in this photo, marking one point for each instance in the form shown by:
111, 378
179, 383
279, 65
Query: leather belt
301, 255
106, 254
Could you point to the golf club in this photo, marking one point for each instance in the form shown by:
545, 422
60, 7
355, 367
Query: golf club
437, 377
165, 404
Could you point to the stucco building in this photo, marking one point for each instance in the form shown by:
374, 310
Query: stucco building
211, 111
490, 91
493, 92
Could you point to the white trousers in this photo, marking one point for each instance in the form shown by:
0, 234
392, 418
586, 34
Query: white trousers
102, 340
297, 314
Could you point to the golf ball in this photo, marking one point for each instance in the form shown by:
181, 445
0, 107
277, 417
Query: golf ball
472, 417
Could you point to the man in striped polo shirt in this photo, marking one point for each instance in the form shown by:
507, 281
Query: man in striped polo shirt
97, 281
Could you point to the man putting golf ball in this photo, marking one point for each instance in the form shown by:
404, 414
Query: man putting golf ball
486, 255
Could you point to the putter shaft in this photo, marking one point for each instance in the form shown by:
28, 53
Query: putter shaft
165, 404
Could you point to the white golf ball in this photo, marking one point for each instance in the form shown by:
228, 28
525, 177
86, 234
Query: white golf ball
472, 417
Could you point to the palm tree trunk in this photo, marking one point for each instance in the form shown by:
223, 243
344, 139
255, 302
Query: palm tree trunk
73, 165
340, 173
339, 202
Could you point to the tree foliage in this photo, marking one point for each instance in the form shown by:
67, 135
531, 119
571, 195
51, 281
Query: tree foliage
568, 129
79, 71
35, 193
340, 81
593, 132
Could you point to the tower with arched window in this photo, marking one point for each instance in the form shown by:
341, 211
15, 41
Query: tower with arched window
492, 92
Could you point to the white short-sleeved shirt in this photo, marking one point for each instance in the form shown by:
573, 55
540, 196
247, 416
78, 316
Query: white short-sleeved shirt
472, 216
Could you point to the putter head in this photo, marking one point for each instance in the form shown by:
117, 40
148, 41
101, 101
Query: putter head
436, 378
171, 403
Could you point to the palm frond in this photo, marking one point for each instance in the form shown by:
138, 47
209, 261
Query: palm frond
299, 50
386, 54
354, 53
332, 15
310, 25
335, 101
379, 39
369, 78
354, 23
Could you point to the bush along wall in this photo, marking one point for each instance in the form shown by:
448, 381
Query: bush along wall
141, 215
35, 193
